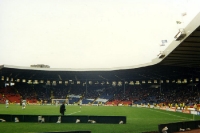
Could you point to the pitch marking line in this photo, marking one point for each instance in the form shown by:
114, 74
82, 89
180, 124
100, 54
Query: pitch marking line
74, 113
170, 114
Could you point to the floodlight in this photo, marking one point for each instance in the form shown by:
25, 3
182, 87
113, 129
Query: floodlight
179, 81
90, 82
137, 82
29, 82
54, 83
131, 83
126, 82
119, 83
35, 82
114, 83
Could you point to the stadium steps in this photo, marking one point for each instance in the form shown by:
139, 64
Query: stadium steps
94, 100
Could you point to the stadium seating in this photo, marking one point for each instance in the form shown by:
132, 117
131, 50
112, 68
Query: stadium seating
14, 98
87, 101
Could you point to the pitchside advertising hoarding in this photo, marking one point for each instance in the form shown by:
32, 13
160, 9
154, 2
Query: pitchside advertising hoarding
173, 109
198, 112
163, 108
178, 110
186, 111
194, 112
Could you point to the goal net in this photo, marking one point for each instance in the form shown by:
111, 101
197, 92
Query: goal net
59, 101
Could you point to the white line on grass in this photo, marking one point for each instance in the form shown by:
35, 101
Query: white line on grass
74, 113
170, 114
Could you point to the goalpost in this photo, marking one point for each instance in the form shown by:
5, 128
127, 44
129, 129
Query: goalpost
59, 101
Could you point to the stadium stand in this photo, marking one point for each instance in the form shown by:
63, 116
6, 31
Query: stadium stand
140, 94
167, 81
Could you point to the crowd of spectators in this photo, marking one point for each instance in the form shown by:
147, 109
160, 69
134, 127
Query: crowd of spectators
137, 94
166, 93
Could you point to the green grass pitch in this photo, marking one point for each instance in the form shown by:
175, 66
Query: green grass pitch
138, 119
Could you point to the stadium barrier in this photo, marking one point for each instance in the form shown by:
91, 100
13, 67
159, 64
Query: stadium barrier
65, 119
175, 127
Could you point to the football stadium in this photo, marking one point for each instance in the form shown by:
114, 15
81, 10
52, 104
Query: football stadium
162, 96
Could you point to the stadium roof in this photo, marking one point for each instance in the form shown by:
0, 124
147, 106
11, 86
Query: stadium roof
186, 53
181, 60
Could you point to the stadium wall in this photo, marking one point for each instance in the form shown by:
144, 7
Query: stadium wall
65, 119
175, 127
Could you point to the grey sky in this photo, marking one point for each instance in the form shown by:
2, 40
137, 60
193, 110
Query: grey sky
88, 33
